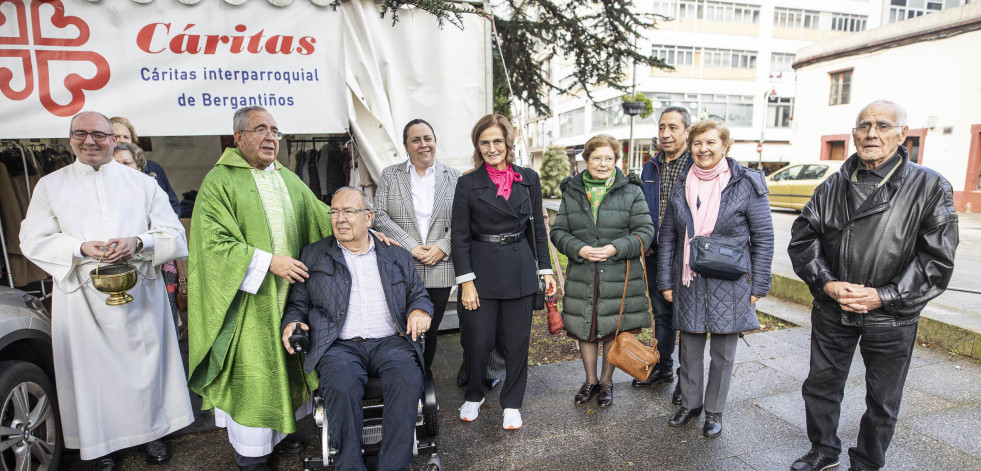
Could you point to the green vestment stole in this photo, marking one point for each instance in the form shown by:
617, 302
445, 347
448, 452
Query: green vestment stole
237, 360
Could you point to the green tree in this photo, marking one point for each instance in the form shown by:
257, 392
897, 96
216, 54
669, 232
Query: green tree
555, 167
598, 36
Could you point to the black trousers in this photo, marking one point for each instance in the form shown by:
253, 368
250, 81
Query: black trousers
479, 331
439, 297
886, 352
347, 364
664, 331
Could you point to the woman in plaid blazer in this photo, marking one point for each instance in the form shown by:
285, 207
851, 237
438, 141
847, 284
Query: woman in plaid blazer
413, 205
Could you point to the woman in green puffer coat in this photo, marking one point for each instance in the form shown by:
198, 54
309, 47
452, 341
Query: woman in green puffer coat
601, 214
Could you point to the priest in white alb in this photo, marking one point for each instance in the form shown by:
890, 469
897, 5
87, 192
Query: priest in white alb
118, 369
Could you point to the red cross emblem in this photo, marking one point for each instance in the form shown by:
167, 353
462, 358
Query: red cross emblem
46, 50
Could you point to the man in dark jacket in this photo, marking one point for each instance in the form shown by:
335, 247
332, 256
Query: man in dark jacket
660, 174
355, 332
874, 244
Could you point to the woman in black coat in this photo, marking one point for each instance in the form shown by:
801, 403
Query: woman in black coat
494, 261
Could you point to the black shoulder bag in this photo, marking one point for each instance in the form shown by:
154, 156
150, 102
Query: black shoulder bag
714, 257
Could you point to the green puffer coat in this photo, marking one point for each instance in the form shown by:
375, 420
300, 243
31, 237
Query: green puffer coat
588, 285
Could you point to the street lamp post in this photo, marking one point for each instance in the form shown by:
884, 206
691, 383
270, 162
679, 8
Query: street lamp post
759, 149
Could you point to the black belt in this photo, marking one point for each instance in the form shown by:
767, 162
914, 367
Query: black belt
503, 239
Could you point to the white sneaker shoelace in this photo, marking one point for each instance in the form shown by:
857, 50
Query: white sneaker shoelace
469, 410
512, 419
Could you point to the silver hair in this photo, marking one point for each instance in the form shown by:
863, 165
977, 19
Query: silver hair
241, 118
72, 122
900, 111
366, 202
685, 115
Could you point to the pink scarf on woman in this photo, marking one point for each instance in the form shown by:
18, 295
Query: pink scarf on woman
503, 179
703, 216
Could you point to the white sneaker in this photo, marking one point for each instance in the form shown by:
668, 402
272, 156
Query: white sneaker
469, 410
512, 419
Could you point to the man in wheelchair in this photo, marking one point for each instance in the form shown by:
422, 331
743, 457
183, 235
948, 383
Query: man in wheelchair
364, 308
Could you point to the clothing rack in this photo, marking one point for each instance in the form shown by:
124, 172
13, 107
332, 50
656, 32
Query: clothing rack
34, 148
345, 139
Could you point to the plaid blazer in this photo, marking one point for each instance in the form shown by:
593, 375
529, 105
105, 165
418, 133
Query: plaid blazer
396, 217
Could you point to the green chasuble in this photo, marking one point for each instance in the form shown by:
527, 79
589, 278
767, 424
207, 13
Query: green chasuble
237, 360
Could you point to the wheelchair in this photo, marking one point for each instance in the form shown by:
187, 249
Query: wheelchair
427, 427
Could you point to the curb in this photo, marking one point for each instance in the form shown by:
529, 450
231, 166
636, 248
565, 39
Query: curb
955, 338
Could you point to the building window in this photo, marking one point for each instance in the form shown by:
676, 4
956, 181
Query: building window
781, 63
848, 23
841, 86
794, 18
608, 114
674, 55
779, 111
726, 58
572, 123
709, 10
900, 10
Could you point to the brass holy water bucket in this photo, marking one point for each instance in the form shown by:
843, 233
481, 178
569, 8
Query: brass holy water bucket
115, 280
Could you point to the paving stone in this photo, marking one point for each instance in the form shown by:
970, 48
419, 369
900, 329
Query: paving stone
956, 380
745, 428
753, 379
911, 450
798, 366
790, 406
952, 426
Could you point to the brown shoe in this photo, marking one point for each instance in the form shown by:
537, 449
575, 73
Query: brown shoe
604, 397
586, 392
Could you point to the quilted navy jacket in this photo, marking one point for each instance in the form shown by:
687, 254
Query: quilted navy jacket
321, 301
710, 304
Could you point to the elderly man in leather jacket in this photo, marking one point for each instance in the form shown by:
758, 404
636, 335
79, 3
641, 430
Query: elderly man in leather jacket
874, 244
356, 331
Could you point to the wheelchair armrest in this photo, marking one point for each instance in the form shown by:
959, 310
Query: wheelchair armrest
429, 394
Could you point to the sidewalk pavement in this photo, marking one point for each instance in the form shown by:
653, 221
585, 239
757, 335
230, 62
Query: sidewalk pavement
763, 425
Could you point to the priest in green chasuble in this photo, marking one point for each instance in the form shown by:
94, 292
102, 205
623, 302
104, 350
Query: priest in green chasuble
251, 218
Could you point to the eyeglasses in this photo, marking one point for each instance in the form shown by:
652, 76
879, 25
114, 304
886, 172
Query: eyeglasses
263, 132
605, 160
485, 145
864, 128
348, 213
96, 135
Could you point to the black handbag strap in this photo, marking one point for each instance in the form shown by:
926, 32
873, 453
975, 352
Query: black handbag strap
691, 223
534, 247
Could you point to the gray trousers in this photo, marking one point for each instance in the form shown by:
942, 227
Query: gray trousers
691, 353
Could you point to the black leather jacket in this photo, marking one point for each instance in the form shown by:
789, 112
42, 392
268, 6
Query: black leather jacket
900, 240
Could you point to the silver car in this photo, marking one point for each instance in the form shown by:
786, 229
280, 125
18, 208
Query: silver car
30, 427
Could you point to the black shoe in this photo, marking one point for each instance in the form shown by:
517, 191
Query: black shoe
676, 395
683, 415
586, 392
659, 375
856, 468
106, 463
713, 424
491, 383
157, 451
604, 394
292, 444
814, 461
255, 467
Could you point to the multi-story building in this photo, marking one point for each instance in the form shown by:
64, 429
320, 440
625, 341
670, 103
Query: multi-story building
732, 62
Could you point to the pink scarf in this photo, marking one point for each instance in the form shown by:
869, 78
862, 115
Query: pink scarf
503, 179
703, 217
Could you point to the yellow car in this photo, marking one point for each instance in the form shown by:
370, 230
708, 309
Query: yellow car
792, 186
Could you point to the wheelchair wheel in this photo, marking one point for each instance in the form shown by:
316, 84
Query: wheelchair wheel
432, 424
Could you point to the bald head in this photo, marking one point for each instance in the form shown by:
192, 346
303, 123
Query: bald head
899, 111
94, 113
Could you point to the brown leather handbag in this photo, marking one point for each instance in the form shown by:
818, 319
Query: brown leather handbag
181, 285
628, 353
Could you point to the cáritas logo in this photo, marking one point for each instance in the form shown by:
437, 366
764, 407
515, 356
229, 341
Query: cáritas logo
46, 50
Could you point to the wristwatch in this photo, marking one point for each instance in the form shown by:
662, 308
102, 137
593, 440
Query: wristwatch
139, 245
